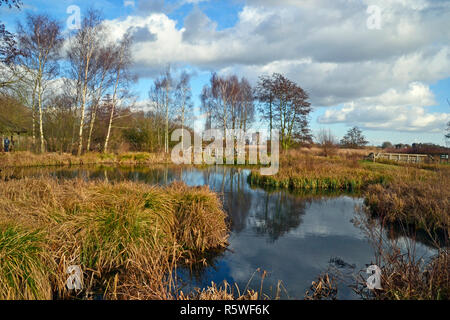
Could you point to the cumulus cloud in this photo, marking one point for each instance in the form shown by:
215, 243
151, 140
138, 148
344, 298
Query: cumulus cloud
324, 45
142, 34
402, 111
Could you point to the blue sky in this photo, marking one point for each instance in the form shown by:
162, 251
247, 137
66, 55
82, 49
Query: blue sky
391, 79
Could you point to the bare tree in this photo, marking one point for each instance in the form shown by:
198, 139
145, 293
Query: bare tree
229, 102
82, 49
327, 142
8, 44
247, 104
122, 77
157, 97
354, 139
264, 93
168, 87
285, 106
184, 96
207, 106
40, 40
102, 80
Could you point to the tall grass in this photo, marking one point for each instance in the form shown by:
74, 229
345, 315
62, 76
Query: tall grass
423, 202
308, 172
128, 238
23, 270
413, 194
29, 159
405, 275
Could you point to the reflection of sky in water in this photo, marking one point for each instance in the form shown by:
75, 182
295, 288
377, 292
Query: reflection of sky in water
290, 237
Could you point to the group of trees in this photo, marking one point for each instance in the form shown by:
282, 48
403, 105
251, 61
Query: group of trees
72, 93
172, 106
284, 105
68, 83
228, 103
327, 141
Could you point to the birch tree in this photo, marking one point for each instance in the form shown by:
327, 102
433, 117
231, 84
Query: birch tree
103, 79
184, 96
121, 67
83, 46
40, 40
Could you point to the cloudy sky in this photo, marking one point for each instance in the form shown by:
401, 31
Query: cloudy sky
383, 65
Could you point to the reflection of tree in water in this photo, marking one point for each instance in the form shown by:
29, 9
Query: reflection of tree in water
237, 201
230, 183
278, 213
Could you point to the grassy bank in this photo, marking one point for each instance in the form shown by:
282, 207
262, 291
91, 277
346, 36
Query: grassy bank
128, 238
29, 159
415, 197
413, 194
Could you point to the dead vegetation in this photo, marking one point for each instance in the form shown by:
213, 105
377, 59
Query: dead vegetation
128, 238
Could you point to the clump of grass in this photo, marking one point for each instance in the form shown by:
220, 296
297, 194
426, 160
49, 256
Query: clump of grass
404, 274
216, 292
404, 278
412, 194
306, 172
23, 270
127, 237
421, 202
200, 220
324, 288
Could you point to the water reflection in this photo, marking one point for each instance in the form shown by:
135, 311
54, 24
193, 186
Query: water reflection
292, 237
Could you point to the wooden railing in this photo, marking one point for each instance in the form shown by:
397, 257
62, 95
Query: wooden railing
401, 157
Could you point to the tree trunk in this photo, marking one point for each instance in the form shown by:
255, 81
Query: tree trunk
105, 149
33, 113
166, 131
83, 104
41, 128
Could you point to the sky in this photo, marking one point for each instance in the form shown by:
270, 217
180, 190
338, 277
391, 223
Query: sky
382, 65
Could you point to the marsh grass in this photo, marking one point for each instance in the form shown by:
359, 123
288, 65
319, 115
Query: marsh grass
421, 201
29, 159
405, 275
219, 292
24, 273
413, 194
127, 237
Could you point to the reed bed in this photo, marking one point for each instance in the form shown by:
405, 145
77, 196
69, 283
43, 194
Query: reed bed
404, 278
421, 202
413, 194
128, 238
29, 159
405, 274
309, 172
23, 264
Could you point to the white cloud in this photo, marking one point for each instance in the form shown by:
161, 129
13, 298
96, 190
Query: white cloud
392, 110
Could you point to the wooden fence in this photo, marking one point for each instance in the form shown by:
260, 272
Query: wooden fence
401, 157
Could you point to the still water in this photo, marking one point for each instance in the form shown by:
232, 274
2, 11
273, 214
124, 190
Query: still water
294, 238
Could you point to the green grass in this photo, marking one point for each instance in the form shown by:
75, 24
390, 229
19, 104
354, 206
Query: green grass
23, 269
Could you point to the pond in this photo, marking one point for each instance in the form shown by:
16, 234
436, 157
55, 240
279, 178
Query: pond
294, 238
